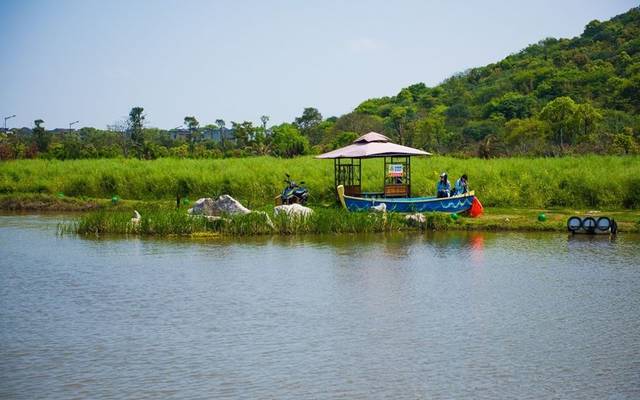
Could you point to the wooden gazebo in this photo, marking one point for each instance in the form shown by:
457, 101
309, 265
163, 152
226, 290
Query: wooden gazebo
347, 165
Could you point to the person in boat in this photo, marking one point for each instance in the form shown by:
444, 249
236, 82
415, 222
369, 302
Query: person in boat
443, 187
461, 186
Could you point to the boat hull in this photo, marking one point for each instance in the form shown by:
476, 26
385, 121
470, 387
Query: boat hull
454, 204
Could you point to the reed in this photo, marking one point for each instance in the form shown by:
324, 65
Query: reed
178, 222
610, 182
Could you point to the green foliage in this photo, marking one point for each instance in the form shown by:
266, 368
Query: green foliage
344, 139
570, 84
288, 142
136, 123
309, 125
41, 137
586, 181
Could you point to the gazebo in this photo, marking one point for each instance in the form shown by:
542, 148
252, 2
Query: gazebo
347, 165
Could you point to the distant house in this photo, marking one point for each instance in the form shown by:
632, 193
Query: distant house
179, 134
217, 134
207, 134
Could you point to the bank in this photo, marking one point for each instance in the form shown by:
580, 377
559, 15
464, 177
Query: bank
102, 216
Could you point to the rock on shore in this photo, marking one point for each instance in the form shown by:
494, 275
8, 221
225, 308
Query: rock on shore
223, 205
293, 210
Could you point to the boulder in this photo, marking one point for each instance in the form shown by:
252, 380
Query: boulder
224, 204
293, 210
416, 219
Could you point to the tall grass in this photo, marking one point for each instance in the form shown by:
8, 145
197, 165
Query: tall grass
588, 181
176, 222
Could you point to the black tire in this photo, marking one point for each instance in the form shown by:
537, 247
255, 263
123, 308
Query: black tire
603, 224
574, 224
589, 224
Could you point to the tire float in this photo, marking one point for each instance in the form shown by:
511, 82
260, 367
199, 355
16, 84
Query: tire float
592, 226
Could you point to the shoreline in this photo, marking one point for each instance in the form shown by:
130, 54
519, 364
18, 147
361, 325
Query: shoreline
331, 220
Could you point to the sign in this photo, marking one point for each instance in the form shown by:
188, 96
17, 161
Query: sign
395, 170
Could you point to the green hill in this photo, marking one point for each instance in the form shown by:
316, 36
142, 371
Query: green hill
557, 96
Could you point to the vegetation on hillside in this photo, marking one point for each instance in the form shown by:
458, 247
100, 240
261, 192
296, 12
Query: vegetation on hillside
555, 97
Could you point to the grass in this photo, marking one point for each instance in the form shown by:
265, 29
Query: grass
178, 222
607, 182
168, 222
513, 191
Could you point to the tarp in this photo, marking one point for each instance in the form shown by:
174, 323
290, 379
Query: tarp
373, 144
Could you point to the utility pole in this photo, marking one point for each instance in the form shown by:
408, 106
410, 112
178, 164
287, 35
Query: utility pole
72, 123
5, 121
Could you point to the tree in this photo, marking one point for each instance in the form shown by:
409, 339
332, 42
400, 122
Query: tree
41, 137
526, 136
221, 128
264, 119
559, 113
431, 133
398, 120
192, 125
308, 122
244, 133
511, 105
343, 139
288, 142
135, 126
586, 121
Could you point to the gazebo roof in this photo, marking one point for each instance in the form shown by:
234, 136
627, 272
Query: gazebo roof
372, 145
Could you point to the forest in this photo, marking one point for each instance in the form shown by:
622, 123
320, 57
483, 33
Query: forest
556, 97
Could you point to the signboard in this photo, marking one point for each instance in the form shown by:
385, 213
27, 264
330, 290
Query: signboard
395, 170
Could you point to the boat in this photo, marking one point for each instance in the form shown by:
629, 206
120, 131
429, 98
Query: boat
454, 204
396, 194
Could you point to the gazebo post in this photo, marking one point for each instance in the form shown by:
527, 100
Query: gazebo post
347, 171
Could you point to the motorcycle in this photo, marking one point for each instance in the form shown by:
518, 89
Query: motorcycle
293, 192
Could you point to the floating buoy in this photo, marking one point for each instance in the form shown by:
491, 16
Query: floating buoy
454, 216
574, 224
603, 224
542, 217
115, 199
589, 224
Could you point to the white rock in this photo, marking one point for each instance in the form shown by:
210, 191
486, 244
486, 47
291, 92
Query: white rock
224, 204
415, 219
293, 210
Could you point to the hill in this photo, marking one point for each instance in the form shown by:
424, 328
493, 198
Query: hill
554, 97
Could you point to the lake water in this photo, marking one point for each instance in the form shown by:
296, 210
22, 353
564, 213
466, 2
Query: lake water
447, 315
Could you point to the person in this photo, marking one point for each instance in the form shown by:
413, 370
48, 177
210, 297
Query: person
461, 186
443, 187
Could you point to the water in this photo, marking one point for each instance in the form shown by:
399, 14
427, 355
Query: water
457, 315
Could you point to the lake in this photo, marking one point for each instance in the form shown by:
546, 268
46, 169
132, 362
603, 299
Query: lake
402, 316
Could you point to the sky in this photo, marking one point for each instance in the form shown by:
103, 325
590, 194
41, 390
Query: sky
93, 60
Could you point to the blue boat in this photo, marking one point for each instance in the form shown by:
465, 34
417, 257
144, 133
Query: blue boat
455, 204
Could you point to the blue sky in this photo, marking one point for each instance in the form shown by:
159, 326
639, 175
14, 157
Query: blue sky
93, 60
